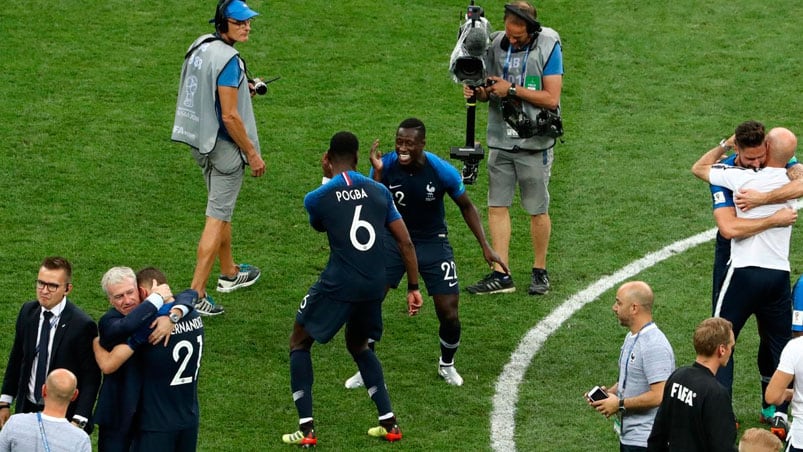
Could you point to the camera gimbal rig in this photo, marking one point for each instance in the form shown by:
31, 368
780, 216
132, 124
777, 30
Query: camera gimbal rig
470, 70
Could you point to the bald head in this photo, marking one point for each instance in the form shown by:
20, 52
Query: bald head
60, 386
782, 144
637, 292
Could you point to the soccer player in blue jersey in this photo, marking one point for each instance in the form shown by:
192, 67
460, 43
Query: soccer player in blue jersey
419, 182
168, 414
354, 211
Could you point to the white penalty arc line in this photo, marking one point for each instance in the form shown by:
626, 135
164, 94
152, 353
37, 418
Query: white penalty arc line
506, 396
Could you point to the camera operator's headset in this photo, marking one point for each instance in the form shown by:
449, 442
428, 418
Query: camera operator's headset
533, 26
221, 21
221, 26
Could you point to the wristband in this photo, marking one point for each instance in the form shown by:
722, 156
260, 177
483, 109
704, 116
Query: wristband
411, 287
622, 408
724, 146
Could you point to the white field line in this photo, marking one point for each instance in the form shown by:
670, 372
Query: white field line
503, 415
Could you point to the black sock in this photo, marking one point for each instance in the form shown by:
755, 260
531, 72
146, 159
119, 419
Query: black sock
450, 339
301, 378
306, 427
388, 423
374, 379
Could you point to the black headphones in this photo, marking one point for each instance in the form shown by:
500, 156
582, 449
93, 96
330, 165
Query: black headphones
221, 21
533, 26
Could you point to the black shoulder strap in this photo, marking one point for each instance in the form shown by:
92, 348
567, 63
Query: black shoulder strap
195, 47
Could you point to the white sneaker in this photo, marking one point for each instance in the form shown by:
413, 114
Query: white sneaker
449, 373
355, 381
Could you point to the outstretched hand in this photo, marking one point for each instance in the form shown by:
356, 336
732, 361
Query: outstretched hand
376, 156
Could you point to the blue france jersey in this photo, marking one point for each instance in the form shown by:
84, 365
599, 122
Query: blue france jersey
721, 196
170, 378
354, 211
419, 195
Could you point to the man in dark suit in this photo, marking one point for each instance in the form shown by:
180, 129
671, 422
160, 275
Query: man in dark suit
66, 343
132, 308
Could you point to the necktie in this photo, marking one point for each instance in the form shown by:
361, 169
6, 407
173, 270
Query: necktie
42, 357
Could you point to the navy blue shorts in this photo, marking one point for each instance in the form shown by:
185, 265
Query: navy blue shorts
435, 264
322, 317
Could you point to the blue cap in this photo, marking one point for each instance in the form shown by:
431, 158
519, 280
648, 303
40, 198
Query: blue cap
238, 10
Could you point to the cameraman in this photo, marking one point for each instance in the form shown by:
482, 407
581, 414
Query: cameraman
526, 64
214, 116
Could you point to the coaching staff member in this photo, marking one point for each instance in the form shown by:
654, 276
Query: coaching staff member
51, 333
527, 67
215, 118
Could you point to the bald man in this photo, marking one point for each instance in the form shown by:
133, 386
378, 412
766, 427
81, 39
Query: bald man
645, 363
757, 280
785, 140
22, 432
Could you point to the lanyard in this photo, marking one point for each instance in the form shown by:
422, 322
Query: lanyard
523, 67
42, 431
629, 354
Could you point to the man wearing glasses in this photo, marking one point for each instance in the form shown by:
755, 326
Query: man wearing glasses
51, 333
214, 116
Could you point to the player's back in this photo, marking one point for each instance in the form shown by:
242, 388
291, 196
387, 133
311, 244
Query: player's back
170, 391
354, 211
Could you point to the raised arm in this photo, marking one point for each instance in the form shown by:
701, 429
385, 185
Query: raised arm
375, 156
702, 167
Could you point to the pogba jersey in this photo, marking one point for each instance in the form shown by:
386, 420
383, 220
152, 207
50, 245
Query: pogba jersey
419, 193
354, 211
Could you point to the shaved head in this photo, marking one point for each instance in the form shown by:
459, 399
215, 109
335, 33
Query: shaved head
782, 144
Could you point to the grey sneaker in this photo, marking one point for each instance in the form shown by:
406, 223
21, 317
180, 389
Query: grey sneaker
492, 284
206, 306
246, 275
540, 282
